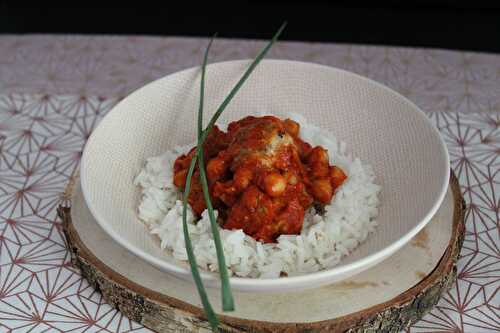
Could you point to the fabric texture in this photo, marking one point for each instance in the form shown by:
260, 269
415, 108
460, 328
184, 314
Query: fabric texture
55, 89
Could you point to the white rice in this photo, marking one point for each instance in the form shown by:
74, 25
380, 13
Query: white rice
323, 241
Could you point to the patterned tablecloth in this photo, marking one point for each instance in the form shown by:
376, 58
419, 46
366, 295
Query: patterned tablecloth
54, 90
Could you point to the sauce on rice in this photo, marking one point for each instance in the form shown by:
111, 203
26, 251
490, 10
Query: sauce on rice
262, 177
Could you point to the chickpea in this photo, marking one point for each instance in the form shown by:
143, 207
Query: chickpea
182, 162
242, 178
216, 168
274, 184
291, 178
337, 176
251, 197
180, 178
318, 162
291, 127
319, 170
322, 190
304, 148
225, 192
317, 155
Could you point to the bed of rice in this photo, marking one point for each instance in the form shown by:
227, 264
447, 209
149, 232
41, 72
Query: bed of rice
347, 221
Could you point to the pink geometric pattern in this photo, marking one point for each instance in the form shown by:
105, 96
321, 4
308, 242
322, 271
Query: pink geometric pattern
42, 138
437, 80
54, 91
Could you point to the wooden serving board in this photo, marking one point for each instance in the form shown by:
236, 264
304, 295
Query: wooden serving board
386, 298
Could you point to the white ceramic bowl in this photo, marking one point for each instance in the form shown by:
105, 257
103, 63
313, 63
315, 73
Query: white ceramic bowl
380, 126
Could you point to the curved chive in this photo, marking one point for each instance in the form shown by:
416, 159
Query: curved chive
202, 86
227, 297
242, 80
210, 313
211, 316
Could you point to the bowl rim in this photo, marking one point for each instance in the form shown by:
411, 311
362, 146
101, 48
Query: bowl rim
270, 283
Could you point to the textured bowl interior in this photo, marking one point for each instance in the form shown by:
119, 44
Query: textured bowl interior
378, 125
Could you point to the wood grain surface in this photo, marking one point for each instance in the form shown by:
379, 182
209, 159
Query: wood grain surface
164, 313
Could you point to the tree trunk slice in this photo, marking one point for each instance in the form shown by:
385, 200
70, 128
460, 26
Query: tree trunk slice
386, 298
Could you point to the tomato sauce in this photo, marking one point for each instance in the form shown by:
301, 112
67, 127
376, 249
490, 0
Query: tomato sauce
262, 177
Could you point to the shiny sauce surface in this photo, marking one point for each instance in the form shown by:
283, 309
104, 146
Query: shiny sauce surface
262, 177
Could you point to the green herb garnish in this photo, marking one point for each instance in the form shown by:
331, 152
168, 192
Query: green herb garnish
209, 311
227, 297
